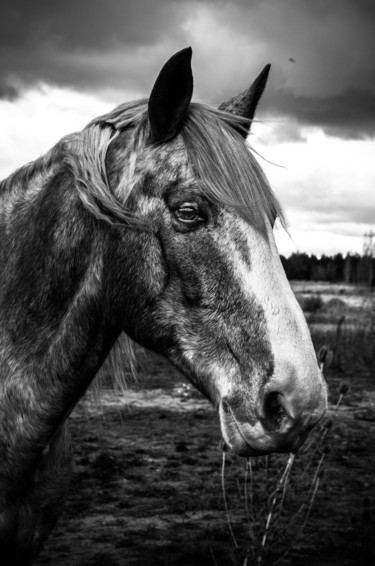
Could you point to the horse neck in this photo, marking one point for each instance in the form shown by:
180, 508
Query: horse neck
54, 324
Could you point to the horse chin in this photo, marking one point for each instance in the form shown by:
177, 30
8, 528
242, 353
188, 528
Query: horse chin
241, 448
239, 443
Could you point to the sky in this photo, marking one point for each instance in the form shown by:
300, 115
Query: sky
63, 63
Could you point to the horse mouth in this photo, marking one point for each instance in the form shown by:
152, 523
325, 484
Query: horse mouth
252, 440
234, 437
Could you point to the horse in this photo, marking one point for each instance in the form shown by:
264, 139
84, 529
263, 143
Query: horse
155, 221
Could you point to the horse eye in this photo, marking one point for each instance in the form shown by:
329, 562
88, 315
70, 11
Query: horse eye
188, 214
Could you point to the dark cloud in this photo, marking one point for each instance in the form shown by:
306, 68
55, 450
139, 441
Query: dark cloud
331, 82
322, 52
81, 43
8, 92
87, 24
350, 114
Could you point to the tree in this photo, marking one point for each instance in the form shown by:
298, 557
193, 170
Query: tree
367, 267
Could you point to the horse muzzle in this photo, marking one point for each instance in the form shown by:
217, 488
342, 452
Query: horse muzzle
280, 423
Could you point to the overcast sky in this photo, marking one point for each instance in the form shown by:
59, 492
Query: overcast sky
62, 63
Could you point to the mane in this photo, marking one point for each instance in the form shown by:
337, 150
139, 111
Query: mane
226, 166
222, 162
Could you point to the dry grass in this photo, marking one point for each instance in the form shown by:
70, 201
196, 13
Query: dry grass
278, 497
344, 318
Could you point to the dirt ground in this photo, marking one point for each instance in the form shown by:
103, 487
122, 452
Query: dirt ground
147, 484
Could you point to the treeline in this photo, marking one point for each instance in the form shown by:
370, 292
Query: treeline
353, 268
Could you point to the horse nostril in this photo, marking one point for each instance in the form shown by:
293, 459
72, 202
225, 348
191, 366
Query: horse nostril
274, 411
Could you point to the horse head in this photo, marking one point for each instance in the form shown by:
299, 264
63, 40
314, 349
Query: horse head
199, 278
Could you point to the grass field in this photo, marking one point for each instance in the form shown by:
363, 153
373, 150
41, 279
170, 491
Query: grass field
147, 485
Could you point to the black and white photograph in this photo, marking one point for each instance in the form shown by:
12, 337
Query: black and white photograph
187, 283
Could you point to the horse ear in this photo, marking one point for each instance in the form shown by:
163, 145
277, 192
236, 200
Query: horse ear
171, 96
245, 103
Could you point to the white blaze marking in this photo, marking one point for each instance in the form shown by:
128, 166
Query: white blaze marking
296, 367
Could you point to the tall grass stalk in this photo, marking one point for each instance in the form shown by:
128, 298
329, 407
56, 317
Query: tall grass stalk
225, 499
301, 529
267, 502
249, 500
281, 486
